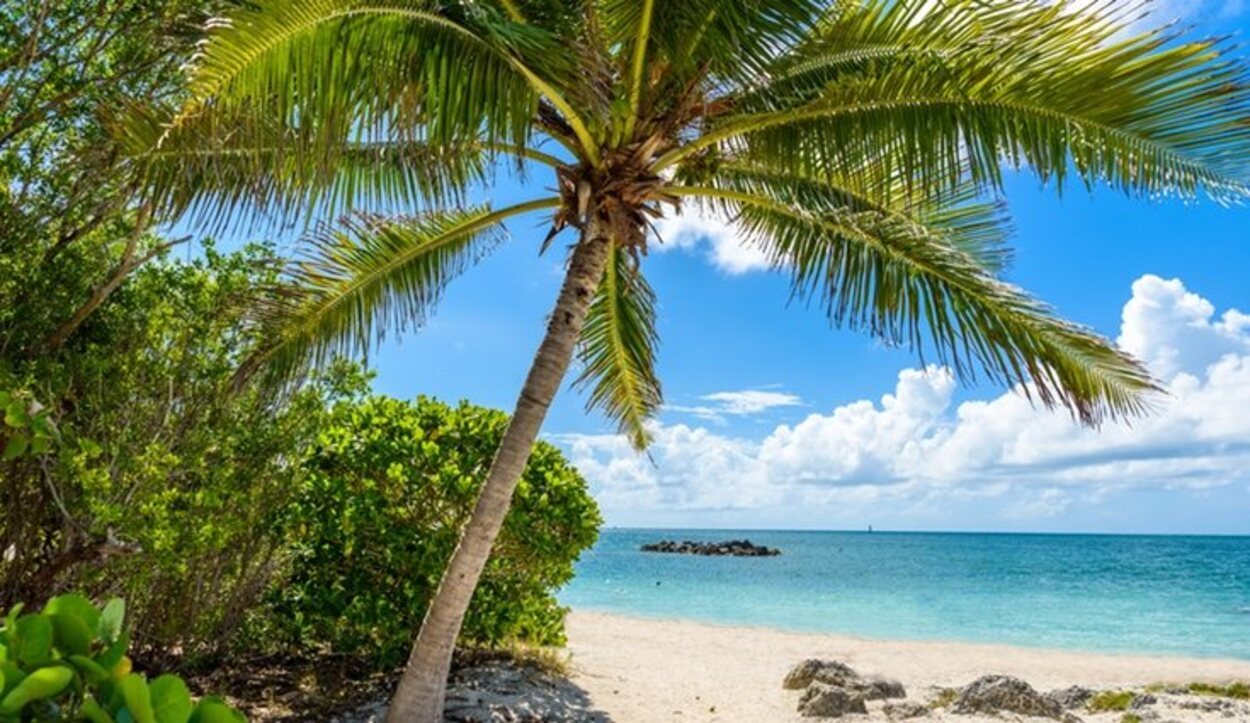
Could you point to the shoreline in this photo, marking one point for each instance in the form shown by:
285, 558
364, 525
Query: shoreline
646, 669
591, 611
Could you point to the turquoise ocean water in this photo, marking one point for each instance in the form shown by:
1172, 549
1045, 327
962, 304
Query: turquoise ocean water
1145, 594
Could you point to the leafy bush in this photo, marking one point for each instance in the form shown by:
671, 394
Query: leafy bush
388, 486
1239, 691
68, 663
160, 486
1108, 700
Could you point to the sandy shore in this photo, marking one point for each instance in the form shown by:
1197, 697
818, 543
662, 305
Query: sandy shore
642, 671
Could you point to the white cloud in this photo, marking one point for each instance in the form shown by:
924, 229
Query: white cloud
737, 404
915, 450
711, 234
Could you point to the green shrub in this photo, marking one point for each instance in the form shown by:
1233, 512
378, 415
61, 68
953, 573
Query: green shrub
1240, 691
1110, 700
68, 663
1130, 718
386, 490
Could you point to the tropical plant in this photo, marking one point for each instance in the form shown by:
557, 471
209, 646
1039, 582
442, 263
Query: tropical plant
68, 663
388, 486
860, 145
130, 469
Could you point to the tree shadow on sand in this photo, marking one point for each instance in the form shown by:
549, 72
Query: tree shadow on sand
499, 691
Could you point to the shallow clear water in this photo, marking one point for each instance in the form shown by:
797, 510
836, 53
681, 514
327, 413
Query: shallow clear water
1175, 595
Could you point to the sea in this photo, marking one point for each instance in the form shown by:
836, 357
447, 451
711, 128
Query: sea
1169, 595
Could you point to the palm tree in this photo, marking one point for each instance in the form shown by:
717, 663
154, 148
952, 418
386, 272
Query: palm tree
860, 144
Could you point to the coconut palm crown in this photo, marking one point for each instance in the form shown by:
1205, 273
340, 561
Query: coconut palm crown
860, 145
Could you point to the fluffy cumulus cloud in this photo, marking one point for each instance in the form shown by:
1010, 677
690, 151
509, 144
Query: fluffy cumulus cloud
711, 235
916, 448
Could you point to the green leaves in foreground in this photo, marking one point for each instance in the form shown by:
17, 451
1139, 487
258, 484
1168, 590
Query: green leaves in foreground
68, 663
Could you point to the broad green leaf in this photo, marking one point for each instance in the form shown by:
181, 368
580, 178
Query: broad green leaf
171, 701
71, 634
75, 605
34, 639
134, 690
92, 711
41, 684
15, 447
90, 669
15, 414
111, 657
111, 619
12, 676
213, 710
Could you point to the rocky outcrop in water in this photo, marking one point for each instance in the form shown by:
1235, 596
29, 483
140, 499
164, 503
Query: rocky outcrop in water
736, 548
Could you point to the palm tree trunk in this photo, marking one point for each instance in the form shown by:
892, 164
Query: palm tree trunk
419, 697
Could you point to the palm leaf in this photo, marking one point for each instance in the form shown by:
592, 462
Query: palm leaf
733, 40
1049, 90
961, 218
617, 349
202, 171
340, 70
364, 278
910, 286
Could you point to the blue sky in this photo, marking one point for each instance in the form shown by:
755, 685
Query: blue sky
776, 420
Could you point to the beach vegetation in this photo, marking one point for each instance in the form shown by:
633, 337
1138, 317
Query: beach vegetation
388, 486
861, 146
944, 698
1110, 700
1237, 690
1130, 718
69, 662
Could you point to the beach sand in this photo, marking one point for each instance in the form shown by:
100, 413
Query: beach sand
643, 671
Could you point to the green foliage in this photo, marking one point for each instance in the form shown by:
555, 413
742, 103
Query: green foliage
163, 486
944, 698
1237, 690
68, 663
1130, 718
860, 144
28, 428
390, 483
618, 349
1110, 700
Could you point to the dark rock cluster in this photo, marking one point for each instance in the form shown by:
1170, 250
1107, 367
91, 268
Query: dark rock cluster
736, 548
998, 693
832, 689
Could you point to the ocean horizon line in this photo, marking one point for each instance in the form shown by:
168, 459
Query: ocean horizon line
898, 531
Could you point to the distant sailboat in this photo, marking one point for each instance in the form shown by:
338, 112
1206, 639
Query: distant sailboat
870, 528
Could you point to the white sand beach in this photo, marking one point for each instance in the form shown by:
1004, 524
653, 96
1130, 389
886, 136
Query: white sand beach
642, 671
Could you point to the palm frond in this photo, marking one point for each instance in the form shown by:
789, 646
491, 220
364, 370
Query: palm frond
734, 40
202, 172
1050, 89
617, 349
339, 70
961, 218
910, 287
366, 277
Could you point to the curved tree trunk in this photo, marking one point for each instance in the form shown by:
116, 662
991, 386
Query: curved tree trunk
419, 697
